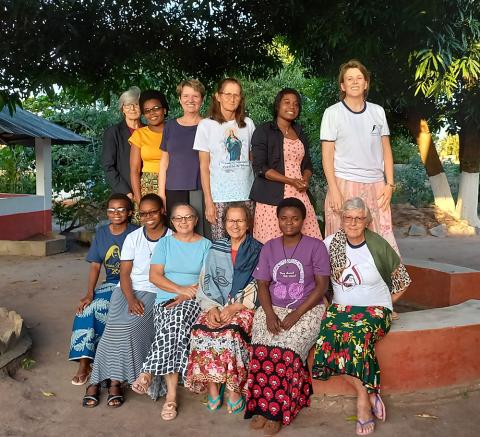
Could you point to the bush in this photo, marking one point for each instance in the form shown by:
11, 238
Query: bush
403, 149
412, 184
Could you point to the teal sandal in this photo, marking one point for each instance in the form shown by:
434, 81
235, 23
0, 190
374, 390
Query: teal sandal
218, 399
236, 407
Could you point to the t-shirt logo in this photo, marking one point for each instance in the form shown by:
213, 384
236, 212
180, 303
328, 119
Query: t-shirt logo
376, 130
112, 260
233, 144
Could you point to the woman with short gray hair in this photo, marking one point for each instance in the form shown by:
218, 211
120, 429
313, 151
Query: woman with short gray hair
367, 277
116, 148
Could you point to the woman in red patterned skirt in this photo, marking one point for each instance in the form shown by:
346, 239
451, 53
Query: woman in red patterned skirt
292, 276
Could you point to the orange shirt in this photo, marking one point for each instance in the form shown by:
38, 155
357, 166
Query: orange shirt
148, 142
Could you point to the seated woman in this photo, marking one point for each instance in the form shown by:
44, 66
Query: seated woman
367, 276
92, 311
129, 330
219, 351
292, 276
175, 269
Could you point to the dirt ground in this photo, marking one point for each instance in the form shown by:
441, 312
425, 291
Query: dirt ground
45, 291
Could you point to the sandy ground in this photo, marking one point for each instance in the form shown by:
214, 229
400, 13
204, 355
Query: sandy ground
45, 291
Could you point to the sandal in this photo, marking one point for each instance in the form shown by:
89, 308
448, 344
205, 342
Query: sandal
360, 425
218, 400
93, 399
169, 411
142, 383
80, 379
115, 401
378, 408
236, 407
258, 422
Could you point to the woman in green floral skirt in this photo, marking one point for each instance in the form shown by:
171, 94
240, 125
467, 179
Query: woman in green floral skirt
367, 276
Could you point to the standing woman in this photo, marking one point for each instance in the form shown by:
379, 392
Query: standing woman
292, 276
116, 149
175, 269
129, 330
223, 140
356, 153
145, 152
282, 167
179, 176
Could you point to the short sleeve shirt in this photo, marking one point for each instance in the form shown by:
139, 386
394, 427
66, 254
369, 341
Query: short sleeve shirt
231, 174
358, 153
360, 283
183, 172
148, 142
139, 248
182, 262
106, 248
292, 270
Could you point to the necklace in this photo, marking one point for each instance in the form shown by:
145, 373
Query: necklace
293, 253
286, 130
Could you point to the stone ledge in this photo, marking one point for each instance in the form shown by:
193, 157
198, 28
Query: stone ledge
11, 359
42, 245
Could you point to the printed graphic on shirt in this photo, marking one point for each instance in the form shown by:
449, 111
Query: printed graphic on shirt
351, 276
233, 145
289, 278
112, 260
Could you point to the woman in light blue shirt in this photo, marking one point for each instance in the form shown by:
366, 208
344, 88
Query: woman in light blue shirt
175, 269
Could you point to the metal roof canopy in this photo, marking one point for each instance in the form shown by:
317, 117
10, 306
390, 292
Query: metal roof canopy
23, 127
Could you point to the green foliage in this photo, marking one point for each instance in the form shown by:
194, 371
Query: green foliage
17, 172
449, 147
403, 149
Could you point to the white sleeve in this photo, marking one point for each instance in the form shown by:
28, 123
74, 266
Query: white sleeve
385, 129
128, 248
202, 140
251, 129
328, 130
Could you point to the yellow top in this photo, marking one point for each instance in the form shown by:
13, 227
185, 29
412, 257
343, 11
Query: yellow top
148, 142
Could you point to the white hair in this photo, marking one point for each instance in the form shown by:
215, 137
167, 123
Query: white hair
132, 95
356, 203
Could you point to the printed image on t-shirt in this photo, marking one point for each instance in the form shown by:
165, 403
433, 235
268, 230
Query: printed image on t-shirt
288, 278
112, 260
233, 145
350, 277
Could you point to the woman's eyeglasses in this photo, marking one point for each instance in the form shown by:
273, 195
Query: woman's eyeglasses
147, 111
348, 219
120, 210
236, 222
148, 213
131, 107
187, 218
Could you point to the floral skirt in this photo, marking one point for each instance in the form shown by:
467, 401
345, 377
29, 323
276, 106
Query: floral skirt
88, 326
220, 355
381, 220
148, 184
279, 383
346, 345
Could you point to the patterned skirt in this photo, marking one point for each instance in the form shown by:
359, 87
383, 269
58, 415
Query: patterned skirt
346, 345
88, 326
125, 341
279, 383
381, 220
148, 184
169, 349
220, 355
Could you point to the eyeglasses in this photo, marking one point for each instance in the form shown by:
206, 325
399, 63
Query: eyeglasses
120, 210
148, 213
348, 219
187, 218
147, 111
236, 222
131, 107
231, 96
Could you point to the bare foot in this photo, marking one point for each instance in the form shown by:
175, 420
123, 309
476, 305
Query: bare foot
365, 423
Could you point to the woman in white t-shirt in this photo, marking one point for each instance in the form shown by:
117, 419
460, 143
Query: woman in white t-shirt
223, 142
367, 276
129, 330
356, 153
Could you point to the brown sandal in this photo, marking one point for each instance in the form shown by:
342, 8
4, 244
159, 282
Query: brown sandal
258, 422
271, 427
169, 411
142, 383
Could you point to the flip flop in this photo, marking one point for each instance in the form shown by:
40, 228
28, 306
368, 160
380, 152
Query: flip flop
218, 399
142, 383
236, 407
169, 411
93, 397
362, 424
378, 409
81, 379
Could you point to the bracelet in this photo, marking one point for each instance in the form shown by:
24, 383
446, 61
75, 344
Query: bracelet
393, 186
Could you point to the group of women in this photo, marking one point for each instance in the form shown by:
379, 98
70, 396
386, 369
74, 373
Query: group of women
236, 317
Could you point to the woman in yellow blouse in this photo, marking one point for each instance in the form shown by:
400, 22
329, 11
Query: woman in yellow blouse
145, 153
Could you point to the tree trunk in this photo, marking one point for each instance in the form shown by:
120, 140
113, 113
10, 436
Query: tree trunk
419, 129
467, 201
